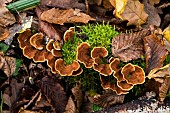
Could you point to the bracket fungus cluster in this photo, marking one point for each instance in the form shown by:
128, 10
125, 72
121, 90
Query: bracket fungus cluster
124, 77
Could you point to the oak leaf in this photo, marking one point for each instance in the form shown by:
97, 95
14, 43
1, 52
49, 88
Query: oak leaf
131, 10
128, 46
6, 18
60, 16
155, 52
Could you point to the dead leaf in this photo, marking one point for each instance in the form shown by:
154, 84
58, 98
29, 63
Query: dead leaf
78, 95
42, 101
161, 75
155, 52
7, 64
55, 94
163, 90
128, 46
4, 33
6, 18
70, 107
60, 16
3, 2
166, 33
153, 16
92, 2
131, 10
107, 5
64, 4
153, 2
107, 99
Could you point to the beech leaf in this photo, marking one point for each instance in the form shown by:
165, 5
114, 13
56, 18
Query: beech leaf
6, 18
155, 52
131, 10
55, 94
60, 16
128, 46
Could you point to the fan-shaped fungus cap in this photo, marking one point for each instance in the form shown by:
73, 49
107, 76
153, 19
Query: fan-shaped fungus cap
78, 72
133, 74
57, 45
24, 37
56, 53
114, 64
49, 45
118, 75
40, 56
124, 85
66, 70
68, 35
99, 52
29, 51
111, 85
103, 69
83, 55
36, 41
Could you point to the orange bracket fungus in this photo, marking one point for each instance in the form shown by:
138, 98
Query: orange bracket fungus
36, 41
97, 54
133, 74
66, 70
83, 55
68, 35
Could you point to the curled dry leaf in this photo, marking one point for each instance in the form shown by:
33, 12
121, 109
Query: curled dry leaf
131, 10
55, 94
65, 4
60, 16
70, 107
4, 33
6, 18
107, 99
128, 46
155, 52
161, 75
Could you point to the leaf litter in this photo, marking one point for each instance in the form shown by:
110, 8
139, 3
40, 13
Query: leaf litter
32, 87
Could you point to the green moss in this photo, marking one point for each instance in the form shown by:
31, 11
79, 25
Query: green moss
99, 35
167, 60
69, 49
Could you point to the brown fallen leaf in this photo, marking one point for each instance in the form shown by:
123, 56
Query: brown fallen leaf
128, 46
131, 10
64, 4
107, 99
92, 2
42, 101
7, 64
6, 18
3, 2
60, 16
55, 94
153, 16
47, 28
153, 2
161, 75
107, 5
78, 95
4, 33
70, 107
155, 52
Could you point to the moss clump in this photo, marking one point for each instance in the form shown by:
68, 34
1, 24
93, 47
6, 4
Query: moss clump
99, 35
69, 49
167, 60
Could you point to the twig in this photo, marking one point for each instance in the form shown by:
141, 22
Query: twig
31, 101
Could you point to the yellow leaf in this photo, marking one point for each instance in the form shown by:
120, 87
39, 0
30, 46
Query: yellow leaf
166, 33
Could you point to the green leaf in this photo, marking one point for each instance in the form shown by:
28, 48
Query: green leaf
18, 64
3, 47
96, 108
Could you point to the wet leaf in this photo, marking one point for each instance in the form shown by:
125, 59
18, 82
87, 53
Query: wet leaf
155, 52
128, 46
107, 99
131, 10
65, 4
6, 18
70, 107
60, 16
18, 64
3, 47
54, 93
